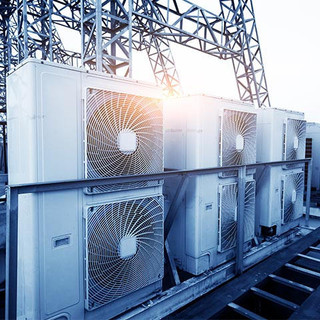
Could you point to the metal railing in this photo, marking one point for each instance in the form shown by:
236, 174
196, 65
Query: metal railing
13, 192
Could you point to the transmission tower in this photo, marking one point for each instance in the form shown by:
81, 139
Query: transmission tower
109, 31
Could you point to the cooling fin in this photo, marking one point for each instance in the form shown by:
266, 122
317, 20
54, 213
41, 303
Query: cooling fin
295, 139
292, 197
228, 210
238, 138
124, 249
124, 136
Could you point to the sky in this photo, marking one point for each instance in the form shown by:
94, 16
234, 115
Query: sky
288, 32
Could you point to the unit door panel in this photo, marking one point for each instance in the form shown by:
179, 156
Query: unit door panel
59, 238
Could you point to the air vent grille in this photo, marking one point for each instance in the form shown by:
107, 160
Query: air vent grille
124, 136
295, 141
292, 197
239, 135
228, 211
124, 249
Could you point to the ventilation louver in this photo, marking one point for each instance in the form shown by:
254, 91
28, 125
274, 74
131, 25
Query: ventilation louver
238, 138
124, 249
295, 139
228, 210
124, 136
292, 196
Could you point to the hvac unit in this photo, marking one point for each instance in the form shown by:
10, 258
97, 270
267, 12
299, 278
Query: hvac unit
85, 254
281, 136
313, 151
201, 132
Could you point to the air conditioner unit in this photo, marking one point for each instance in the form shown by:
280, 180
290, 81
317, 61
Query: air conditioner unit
281, 136
200, 132
76, 246
313, 151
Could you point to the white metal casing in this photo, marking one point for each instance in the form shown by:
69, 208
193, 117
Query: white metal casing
271, 147
46, 143
192, 137
313, 132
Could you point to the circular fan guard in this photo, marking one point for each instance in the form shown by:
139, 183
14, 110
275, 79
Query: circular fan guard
228, 223
108, 115
293, 183
228, 214
249, 210
110, 276
238, 126
295, 139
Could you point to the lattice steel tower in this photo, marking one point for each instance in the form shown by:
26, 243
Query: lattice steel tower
109, 31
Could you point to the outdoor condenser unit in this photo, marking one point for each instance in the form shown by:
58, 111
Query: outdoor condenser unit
313, 150
93, 253
281, 136
202, 132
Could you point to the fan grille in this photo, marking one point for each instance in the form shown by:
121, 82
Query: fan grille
114, 118
249, 210
295, 142
238, 140
114, 271
228, 214
292, 197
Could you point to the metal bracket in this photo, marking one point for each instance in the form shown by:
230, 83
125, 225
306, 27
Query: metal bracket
173, 210
174, 276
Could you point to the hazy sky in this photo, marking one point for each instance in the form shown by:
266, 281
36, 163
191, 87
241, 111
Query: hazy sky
288, 32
